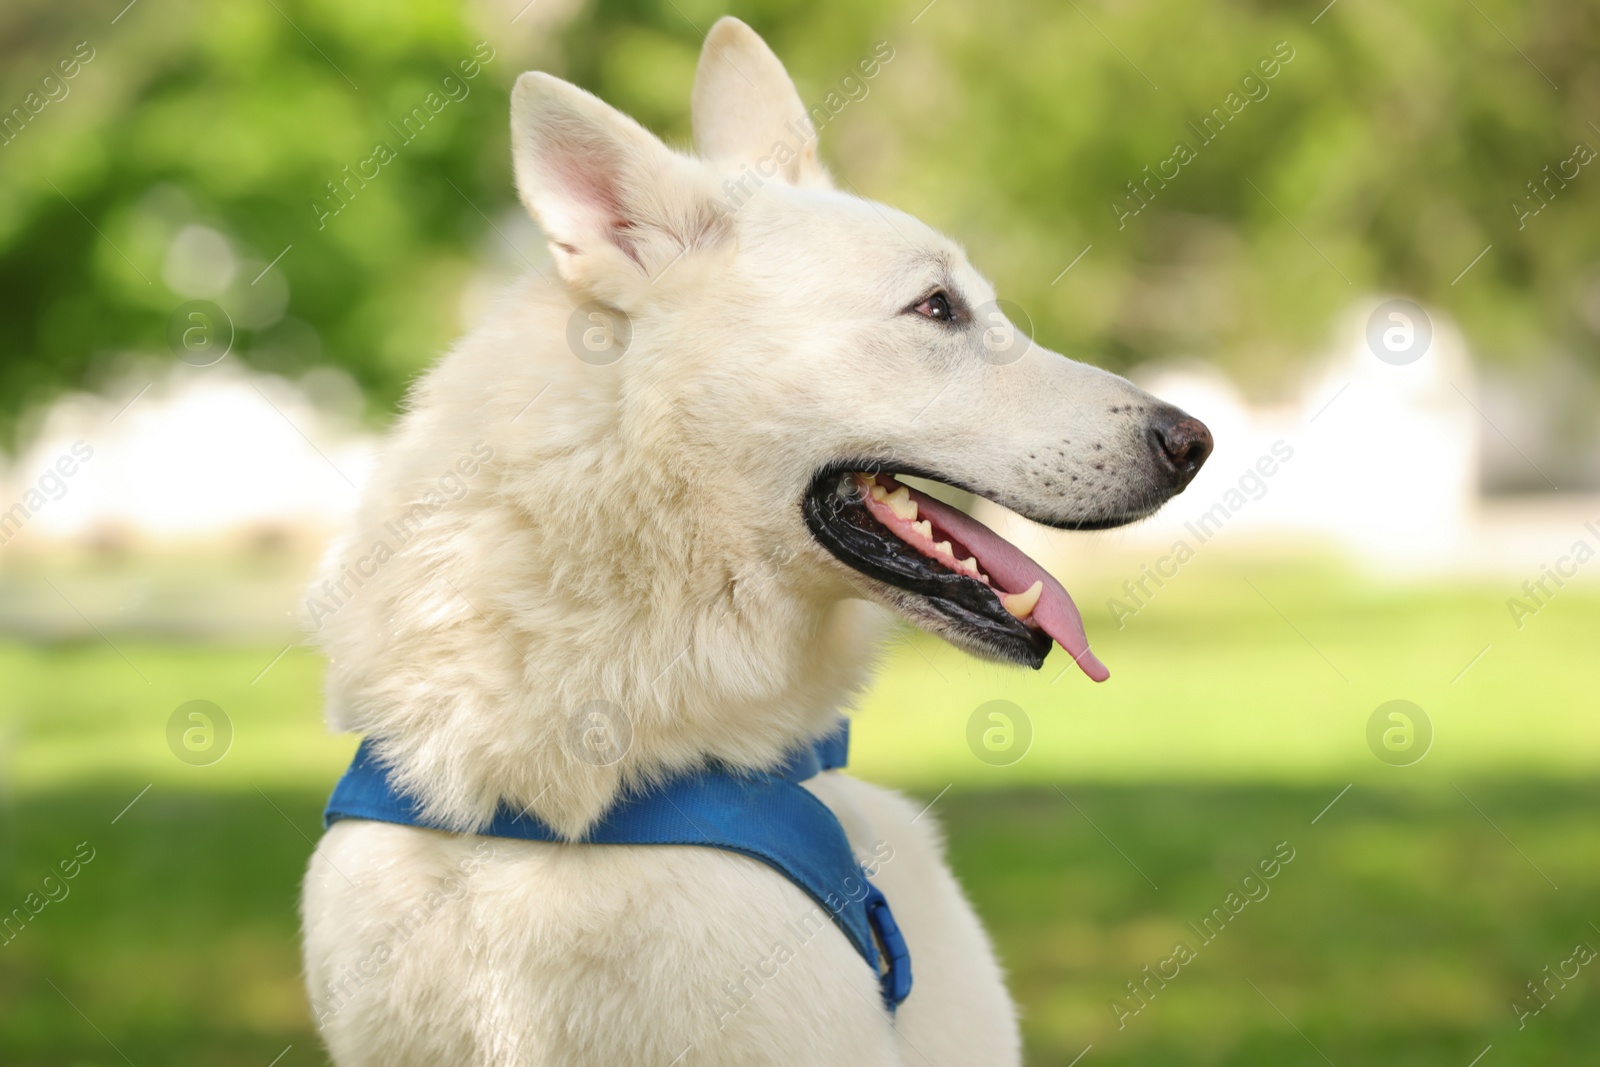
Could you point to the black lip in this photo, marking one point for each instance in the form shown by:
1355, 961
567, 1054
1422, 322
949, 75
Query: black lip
843, 525
881, 466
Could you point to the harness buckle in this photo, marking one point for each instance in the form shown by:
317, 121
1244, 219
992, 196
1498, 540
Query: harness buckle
894, 979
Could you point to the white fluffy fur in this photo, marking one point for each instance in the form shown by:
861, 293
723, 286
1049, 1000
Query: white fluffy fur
631, 533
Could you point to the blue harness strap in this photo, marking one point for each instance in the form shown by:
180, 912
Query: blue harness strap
766, 816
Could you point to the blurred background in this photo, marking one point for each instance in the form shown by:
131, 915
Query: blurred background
1361, 241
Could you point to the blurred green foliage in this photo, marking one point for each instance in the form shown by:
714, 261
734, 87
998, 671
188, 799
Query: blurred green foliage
234, 117
1386, 154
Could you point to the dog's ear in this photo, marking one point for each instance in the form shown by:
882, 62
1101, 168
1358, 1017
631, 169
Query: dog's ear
618, 206
747, 110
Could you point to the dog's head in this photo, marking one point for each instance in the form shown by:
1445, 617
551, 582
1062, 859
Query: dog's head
812, 344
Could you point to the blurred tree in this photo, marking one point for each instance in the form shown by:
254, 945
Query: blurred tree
1386, 150
194, 144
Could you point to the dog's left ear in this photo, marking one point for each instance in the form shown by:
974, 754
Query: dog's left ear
618, 206
747, 110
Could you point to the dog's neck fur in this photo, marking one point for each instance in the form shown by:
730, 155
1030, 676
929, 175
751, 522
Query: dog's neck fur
605, 552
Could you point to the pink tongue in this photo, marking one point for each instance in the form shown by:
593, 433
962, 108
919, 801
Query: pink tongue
1013, 571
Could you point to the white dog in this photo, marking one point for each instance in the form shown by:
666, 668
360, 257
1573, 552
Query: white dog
651, 493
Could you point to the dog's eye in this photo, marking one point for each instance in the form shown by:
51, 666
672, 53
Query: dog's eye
937, 307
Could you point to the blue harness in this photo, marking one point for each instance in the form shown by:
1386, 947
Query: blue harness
767, 816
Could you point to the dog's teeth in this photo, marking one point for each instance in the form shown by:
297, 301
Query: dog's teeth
879, 493
970, 565
943, 548
925, 528
1022, 604
901, 504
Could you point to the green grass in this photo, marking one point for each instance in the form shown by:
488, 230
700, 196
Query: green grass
1415, 910
1267, 675
1398, 934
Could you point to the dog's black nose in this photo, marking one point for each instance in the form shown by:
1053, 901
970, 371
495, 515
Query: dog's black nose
1183, 441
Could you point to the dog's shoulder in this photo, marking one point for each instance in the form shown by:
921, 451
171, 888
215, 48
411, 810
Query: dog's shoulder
603, 954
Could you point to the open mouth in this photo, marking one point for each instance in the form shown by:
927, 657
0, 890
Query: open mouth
967, 582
